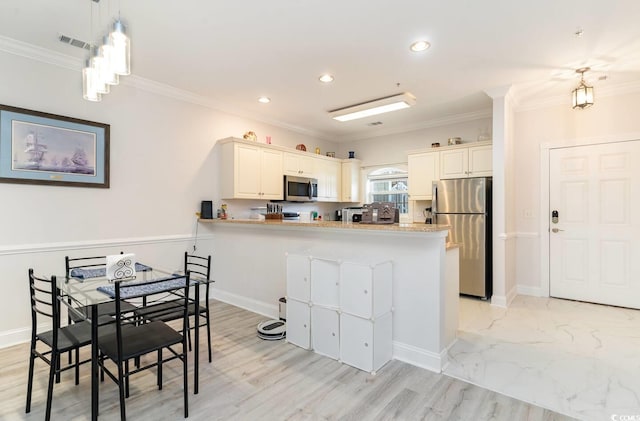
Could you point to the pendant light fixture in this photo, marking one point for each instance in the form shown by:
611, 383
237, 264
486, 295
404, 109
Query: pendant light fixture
89, 90
107, 61
582, 96
121, 48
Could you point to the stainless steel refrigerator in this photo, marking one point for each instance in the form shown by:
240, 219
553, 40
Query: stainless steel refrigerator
465, 205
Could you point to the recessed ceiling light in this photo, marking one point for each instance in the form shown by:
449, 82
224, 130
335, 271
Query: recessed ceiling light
418, 46
326, 78
264, 100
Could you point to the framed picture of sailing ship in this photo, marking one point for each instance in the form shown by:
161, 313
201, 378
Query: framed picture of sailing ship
42, 148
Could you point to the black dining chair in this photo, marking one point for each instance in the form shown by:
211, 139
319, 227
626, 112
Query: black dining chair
132, 340
45, 303
199, 267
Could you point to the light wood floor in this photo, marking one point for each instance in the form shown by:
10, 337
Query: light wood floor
251, 379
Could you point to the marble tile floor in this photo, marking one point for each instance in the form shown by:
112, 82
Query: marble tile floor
574, 358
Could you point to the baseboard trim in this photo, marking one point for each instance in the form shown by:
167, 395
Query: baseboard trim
529, 290
19, 336
420, 357
255, 306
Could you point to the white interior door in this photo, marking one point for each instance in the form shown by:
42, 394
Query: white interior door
594, 247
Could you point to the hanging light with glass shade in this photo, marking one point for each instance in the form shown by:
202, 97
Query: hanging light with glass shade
582, 96
89, 89
109, 76
121, 49
107, 61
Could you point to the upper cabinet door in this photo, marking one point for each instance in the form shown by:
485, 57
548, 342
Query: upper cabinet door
454, 163
424, 169
298, 164
272, 185
480, 161
247, 164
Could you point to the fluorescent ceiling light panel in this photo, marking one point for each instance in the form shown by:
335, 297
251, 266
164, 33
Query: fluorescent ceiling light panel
377, 106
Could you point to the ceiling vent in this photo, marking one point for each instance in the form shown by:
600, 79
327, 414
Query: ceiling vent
74, 42
375, 123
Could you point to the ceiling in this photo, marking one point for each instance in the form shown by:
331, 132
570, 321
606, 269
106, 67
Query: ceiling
229, 53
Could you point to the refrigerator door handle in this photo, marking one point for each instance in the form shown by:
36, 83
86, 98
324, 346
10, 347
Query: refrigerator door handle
434, 198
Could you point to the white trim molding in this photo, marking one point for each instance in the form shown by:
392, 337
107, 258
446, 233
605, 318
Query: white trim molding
255, 306
419, 357
62, 246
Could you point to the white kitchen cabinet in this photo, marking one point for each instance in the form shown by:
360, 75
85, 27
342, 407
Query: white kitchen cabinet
351, 180
424, 169
325, 282
463, 162
299, 323
298, 164
481, 161
329, 173
365, 344
365, 291
251, 172
298, 277
325, 331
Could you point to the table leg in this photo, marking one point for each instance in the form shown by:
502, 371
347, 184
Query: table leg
94, 362
196, 347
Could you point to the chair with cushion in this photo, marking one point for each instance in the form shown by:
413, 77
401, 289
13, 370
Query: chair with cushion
132, 340
46, 304
200, 268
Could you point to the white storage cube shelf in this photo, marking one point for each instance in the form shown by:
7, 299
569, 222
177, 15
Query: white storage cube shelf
325, 283
325, 331
365, 344
342, 310
365, 291
298, 277
299, 323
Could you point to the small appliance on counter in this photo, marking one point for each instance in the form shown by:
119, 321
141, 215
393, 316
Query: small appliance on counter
380, 213
352, 214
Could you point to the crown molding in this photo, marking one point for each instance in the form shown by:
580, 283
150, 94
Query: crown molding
33, 52
436, 122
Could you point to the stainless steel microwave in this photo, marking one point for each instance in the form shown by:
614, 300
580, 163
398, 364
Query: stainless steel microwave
300, 189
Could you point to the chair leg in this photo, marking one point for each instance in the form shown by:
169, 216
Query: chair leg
55, 357
77, 366
186, 381
160, 369
56, 361
126, 379
209, 333
32, 360
189, 333
121, 387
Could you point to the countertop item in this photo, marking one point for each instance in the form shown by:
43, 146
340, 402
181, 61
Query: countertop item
301, 147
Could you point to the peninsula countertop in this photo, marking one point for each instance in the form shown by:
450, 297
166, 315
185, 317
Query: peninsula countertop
398, 227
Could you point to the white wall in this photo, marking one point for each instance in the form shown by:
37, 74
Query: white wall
162, 166
392, 149
612, 118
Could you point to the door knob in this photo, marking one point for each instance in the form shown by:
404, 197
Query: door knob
556, 230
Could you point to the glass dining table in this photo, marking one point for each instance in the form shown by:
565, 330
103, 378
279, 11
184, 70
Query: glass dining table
82, 293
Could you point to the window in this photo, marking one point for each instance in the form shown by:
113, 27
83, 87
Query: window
389, 185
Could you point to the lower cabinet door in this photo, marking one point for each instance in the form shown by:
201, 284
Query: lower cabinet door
356, 342
325, 331
299, 323
364, 343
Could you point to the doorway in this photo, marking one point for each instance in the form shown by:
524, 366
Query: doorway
594, 223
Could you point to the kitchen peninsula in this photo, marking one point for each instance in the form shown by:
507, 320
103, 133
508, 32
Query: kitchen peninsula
250, 271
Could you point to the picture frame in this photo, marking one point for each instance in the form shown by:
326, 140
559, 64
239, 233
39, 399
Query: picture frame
42, 148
